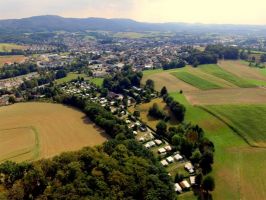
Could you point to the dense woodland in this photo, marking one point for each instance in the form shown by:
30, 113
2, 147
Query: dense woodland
116, 170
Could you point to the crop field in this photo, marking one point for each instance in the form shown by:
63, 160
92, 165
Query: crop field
11, 59
164, 78
248, 120
215, 70
238, 168
7, 47
238, 68
144, 109
195, 80
227, 96
30, 131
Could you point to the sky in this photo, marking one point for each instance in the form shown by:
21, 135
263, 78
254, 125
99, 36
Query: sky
191, 11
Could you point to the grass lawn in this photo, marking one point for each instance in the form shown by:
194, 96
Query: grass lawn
152, 122
238, 168
195, 80
97, 81
217, 71
7, 47
70, 76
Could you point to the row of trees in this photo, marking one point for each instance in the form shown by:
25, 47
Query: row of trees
174, 64
157, 113
116, 170
176, 108
17, 70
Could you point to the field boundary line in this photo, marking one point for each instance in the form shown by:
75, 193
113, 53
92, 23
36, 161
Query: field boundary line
36, 146
235, 130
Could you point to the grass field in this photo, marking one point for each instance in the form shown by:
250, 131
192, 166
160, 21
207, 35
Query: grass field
238, 168
227, 96
70, 76
164, 78
248, 120
215, 70
195, 81
7, 47
97, 81
239, 68
144, 109
29, 131
11, 59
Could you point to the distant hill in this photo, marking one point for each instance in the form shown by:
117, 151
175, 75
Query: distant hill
57, 23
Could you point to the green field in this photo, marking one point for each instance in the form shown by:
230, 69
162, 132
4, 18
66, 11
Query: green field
6, 47
247, 120
215, 70
238, 168
195, 80
97, 81
70, 76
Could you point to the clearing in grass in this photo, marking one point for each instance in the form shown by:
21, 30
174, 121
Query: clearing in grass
215, 70
195, 80
144, 109
70, 77
58, 128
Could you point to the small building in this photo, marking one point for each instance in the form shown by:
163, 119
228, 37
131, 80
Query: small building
135, 132
178, 157
158, 142
141, 139
189, 167
147, 145
161, 150
152, 143
184, 184
178, 188
170, 159
164, 163
192, 180
168, 148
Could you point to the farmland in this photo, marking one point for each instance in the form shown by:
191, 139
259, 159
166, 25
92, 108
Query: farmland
235, 160
239, 68
43, 130
195, 80
6, 47
11, 59
215, 70
227, 96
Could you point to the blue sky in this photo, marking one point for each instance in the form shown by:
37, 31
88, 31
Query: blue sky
193, 11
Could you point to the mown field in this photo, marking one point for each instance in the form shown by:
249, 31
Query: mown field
30, 131
238, 169
247, 120
11, 59
217, 71
195, 80
228, 96
7, 47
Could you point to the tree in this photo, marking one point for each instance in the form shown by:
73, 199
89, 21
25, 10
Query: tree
208, 184
164, 91
161, 128
12, 99
136, 114
149, 84
60, 74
